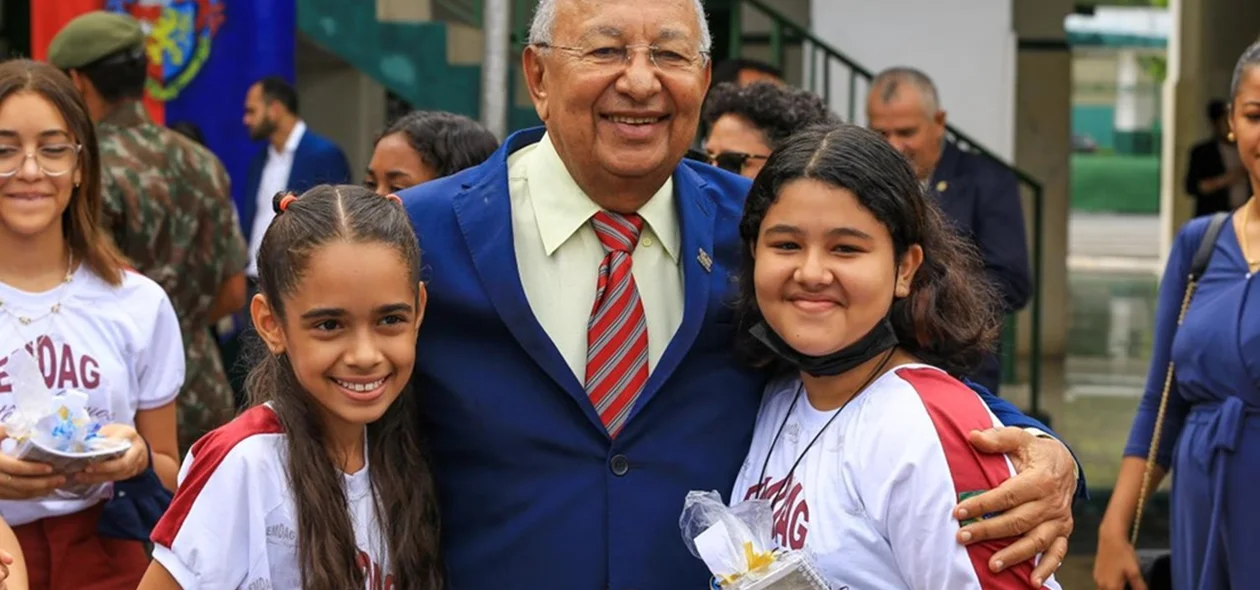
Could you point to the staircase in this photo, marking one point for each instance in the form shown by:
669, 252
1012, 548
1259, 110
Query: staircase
428, 52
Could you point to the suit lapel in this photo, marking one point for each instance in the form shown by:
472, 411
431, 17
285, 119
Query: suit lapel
296, 171
697, 215
484, 213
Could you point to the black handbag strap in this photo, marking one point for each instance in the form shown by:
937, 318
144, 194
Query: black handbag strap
1204, 254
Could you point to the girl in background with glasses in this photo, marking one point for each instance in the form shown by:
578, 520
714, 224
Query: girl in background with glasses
68, 300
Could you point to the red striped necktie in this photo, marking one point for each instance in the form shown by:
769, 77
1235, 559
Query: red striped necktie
616, 336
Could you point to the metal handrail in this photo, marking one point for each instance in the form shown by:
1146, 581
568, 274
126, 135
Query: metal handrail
781, 25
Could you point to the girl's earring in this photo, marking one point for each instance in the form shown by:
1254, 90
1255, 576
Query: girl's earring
1231, 137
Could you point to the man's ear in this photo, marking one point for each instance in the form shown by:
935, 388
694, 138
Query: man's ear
534, 67
79, 81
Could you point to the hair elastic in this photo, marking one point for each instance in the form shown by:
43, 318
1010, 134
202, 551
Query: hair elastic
394, 198
286, 200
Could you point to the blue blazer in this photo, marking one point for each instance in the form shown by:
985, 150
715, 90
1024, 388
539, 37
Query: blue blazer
317, 161
533, 492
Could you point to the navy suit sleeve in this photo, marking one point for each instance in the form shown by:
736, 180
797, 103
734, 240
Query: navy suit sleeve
1171, 291
999, 232
1009, 415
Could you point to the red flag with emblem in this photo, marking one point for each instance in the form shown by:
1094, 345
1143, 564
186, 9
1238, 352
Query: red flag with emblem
47, 18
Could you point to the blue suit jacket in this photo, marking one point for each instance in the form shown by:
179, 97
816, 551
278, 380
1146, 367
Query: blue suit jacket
317, 161
982, 199
533, 492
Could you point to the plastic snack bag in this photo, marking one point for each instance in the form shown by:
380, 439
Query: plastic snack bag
736, 544
53, 429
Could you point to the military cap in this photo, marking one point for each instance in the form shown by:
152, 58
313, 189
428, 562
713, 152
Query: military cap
92, 36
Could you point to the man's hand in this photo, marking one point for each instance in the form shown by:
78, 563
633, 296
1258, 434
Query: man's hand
1035, 504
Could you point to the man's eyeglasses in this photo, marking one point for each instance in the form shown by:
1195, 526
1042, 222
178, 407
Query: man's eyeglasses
729, 161
53, 159
666, 59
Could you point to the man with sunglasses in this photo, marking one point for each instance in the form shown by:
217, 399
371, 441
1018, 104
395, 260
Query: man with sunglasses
746, 123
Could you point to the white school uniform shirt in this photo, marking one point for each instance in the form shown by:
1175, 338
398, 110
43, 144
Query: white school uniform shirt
120, 345
873, 498
233, 523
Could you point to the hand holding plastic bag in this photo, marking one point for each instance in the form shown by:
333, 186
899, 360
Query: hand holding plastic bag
52, 429
736, 543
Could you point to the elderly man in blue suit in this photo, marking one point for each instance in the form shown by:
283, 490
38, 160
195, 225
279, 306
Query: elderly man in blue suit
547, 479
979, 195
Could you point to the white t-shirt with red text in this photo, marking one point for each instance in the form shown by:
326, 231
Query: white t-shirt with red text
233, 523
120, 345
873, 498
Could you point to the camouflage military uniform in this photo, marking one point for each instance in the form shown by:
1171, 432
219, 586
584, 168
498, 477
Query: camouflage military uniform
168, 206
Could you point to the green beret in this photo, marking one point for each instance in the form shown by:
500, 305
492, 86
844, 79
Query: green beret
92, 36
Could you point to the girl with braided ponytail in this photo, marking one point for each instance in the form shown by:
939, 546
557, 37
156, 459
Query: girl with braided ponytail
322, 483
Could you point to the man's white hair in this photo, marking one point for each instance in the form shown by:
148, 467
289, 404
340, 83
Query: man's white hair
888, 82
544, 24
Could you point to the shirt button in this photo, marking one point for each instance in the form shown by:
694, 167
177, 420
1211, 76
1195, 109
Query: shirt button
647, 242
620, 465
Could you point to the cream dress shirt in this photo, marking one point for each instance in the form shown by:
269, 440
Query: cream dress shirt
558, 254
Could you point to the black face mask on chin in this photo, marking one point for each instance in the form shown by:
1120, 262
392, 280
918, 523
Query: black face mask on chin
881, 338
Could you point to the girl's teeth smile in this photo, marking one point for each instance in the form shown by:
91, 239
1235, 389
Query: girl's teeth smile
360, 387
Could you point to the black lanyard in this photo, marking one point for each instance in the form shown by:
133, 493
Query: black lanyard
799, 389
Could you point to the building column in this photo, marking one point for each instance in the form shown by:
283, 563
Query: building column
1043, 122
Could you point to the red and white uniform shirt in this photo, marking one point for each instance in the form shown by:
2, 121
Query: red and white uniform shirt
233, 523
873, 498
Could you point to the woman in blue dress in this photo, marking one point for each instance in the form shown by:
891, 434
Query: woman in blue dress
1211, 429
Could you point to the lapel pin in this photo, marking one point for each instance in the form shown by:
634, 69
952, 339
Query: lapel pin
941, 186
705, 261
